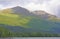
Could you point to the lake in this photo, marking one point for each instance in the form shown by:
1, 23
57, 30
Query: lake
32, 38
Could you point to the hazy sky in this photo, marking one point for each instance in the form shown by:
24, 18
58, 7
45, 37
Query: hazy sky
52, 6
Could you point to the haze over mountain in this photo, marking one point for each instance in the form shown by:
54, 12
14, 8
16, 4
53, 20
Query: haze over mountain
52, 6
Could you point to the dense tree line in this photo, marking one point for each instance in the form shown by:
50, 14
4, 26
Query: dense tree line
7, 33
21, 34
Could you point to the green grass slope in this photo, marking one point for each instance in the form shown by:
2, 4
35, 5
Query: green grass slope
13, 19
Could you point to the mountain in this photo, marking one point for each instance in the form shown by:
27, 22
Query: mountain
26, 23
44, 15
18, 10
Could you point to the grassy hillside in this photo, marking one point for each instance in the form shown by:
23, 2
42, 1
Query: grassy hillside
13, 19
36, 24
19, 25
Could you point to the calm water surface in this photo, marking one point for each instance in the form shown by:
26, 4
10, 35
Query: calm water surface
33, 38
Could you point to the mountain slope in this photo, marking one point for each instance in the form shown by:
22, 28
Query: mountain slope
19, 21
17, 10
44, 14
29, 23
13, 19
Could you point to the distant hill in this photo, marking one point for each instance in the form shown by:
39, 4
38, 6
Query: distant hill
20, 10
44, 15
20, 20
17, 10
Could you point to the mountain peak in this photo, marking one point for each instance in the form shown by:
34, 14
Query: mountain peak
21, 10
17, 7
